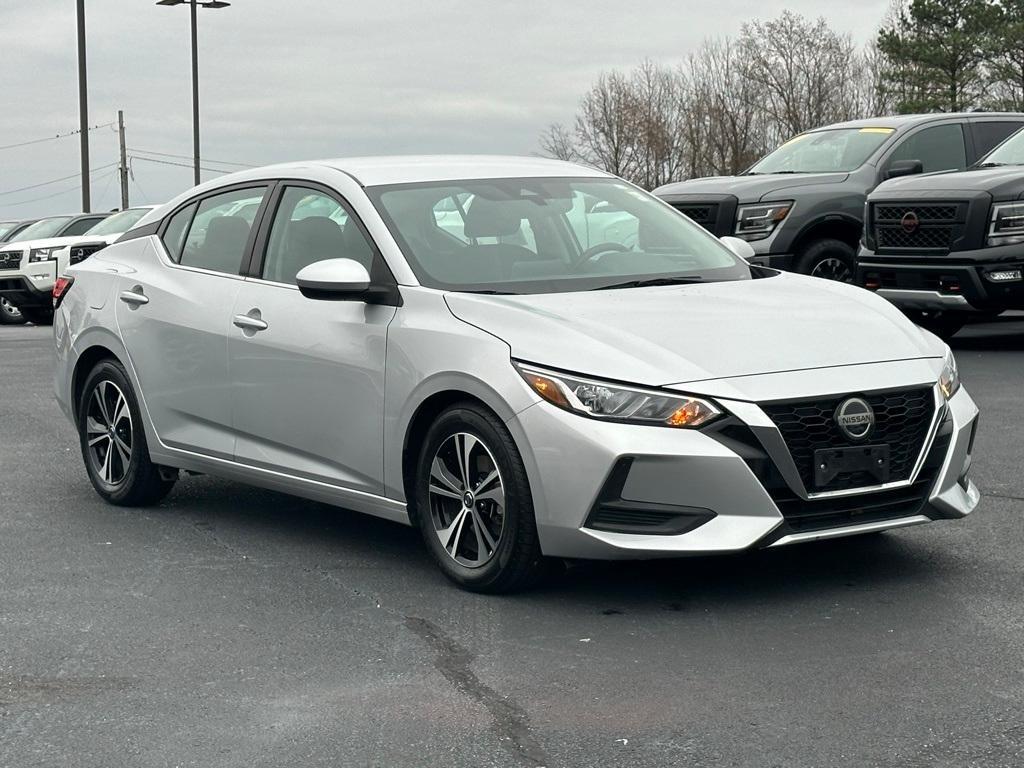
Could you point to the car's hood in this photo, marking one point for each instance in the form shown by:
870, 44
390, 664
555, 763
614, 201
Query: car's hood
677, 334
52, 242
1005, 182
749, 188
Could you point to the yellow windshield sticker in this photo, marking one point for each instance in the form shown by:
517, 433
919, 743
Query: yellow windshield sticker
877, 130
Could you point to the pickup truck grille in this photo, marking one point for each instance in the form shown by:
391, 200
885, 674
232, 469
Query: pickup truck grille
82, 252
915, 227
704, 214
10, 259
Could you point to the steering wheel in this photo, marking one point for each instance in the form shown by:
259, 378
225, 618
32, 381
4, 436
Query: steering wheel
597, 250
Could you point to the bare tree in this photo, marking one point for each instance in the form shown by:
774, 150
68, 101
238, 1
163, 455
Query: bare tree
558, 142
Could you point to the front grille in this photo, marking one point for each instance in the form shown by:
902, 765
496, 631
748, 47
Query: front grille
10, 260
702, 213
902, 420
82, 252
931, 228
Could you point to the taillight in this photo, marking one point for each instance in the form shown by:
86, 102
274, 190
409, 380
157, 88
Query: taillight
61, 288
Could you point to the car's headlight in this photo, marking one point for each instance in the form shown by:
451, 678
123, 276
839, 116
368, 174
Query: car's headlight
949, 379
43, 254
1007, 225
617, 402
756, 222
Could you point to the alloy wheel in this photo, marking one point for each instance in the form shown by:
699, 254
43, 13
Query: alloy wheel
832, 268
108, 429
467, 500
9, 309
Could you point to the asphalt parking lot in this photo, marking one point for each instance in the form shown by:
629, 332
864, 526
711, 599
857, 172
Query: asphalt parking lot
236, 627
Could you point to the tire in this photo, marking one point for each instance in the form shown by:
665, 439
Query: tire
38, 315
504, 555
108, 399
10, 314
828, 259
945, 325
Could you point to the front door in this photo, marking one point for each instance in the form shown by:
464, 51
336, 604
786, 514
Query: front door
307, 376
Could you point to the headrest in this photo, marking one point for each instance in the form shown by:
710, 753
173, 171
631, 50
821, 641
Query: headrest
318, 236
492, 218
226, 228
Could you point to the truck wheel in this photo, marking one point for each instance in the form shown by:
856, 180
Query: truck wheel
10, 314
943, 324
38, 315
828, 259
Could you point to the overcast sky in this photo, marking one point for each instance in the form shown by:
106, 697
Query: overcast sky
294, 79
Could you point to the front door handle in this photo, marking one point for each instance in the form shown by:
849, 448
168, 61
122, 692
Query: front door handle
250, 323
134, 297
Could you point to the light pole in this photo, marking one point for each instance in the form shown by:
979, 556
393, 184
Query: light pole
213, 4
83, 105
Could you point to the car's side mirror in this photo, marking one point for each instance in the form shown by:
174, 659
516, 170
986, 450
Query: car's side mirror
904, 168
739, 247
334, 280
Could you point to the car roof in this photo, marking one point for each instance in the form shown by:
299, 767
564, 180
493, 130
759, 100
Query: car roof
901, 121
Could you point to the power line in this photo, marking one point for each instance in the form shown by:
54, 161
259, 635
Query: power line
54, 181
54, 138
55, 194
180, 165
186, 157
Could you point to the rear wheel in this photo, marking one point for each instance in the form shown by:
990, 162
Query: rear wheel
113, 441
10, 314
473, 503
829, 259
38, 315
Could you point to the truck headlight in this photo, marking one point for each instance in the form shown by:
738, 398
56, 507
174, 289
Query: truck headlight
1007, 225
756, 222
43, 254
618, 402
949, 379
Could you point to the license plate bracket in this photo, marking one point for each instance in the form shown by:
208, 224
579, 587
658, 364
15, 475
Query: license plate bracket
872, 459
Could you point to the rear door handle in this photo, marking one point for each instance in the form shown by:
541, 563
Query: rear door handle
136, 297
250, 323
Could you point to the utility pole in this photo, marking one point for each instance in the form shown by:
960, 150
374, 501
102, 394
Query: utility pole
83, 106
195, 95
124, 160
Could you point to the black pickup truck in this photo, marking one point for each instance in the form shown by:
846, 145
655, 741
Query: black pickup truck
948, 246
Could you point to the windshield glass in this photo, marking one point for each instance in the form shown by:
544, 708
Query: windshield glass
6, 226
831, 151
119, 222
1010, 152
44, 228
541, 235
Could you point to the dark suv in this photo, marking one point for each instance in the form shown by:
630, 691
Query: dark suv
802, 206
949, 246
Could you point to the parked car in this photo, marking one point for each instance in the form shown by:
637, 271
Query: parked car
653, 395
801, 207
948, 247
30, 265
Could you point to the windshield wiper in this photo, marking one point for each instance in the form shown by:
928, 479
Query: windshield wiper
990, 165
489, 292
652, 281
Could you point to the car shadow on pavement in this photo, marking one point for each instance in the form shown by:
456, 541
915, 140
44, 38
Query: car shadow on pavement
1004, 334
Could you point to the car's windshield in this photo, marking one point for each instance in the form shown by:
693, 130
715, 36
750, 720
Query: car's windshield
544, 235
119, 222
7, 226
834, 150
1010, 152
44, 228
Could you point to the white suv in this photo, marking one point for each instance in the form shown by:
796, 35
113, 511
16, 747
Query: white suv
29, 267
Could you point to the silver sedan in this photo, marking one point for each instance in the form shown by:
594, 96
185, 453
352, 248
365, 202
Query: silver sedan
527, 359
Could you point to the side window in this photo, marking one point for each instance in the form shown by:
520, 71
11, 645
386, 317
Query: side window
988, 135
81, 226
174, 235
311, 226
219, 231
940, 148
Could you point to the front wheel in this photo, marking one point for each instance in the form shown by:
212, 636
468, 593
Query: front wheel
113, 441
829, 259
473, 503
10, 314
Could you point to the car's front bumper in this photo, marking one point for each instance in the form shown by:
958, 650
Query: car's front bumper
31, 285
720, 502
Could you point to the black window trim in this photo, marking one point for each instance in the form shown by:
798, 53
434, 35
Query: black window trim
161, 226
383, 286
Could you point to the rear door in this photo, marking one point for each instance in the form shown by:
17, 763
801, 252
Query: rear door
174, 312
307, 376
